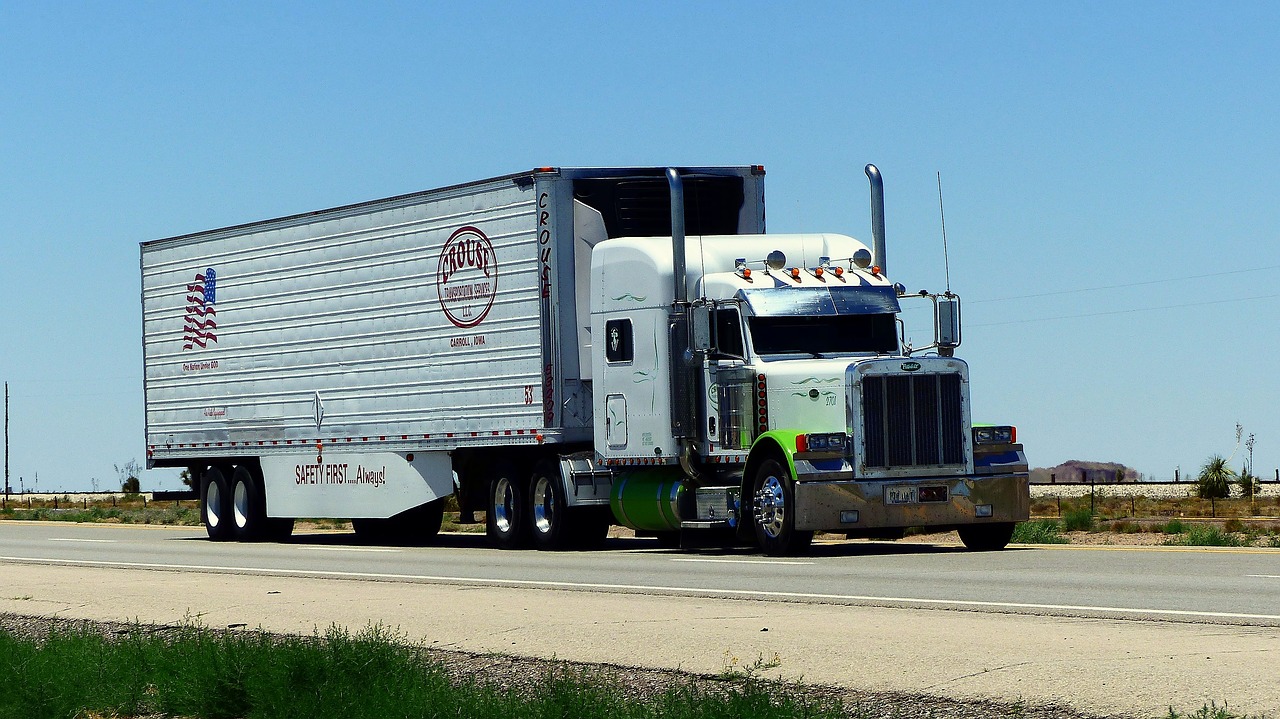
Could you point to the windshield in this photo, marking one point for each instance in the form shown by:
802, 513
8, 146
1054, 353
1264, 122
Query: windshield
824, 334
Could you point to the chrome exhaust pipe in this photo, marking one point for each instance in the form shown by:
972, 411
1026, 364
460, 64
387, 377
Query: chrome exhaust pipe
677, 235
877, 217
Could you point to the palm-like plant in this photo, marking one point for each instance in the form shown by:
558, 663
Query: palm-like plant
1214, 481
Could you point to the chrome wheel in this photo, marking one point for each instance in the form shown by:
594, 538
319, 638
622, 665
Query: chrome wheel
544, 506
504, 500
771, 507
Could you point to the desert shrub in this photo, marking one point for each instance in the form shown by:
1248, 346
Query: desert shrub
1041, 531
1078, 520
1206, 535
1174, 526
1233, 525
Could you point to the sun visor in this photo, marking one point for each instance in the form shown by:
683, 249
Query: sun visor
783, 301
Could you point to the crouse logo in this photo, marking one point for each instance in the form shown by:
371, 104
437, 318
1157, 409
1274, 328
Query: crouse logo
467, 278
201, 318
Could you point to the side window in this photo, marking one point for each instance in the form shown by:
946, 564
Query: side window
728, 325
617, 341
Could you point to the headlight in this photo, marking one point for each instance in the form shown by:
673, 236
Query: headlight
995, 435
828, 442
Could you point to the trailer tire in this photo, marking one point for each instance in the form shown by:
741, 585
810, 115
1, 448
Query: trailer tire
248, 506
215, 504
507, 514
774, 511
987, 537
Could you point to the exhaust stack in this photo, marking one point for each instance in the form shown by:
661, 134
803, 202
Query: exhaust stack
877, 217
677, 234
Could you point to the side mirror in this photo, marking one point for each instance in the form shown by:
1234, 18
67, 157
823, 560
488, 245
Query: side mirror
947, 323
700, 328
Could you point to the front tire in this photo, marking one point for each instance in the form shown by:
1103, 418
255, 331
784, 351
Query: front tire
986, 537
774, 511
215, 505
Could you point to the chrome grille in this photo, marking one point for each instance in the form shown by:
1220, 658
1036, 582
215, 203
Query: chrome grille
912, 420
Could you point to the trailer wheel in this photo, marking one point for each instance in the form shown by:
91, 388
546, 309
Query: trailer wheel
774, 511
248, 506
507, 520
215, 505
986, 537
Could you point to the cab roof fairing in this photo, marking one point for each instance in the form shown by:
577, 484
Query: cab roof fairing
649, 260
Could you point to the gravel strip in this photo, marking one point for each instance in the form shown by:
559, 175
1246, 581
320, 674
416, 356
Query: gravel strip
515, 673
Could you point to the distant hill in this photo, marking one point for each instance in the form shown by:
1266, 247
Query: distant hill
1080, 472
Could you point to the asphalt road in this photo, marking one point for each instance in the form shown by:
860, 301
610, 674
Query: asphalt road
1236, 586
1113, 631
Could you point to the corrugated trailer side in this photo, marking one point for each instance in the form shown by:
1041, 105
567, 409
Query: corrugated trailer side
407, 319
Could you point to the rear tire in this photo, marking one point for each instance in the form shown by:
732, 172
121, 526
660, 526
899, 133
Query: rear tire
248, 507
507, 517
773, 501
986, 537
549, 516
215, 504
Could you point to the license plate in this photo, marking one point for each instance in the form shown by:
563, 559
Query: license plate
901, 495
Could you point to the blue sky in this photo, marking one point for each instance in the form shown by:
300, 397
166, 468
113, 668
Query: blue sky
1108, 168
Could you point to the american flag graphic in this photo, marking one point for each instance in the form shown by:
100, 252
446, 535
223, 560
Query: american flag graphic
201, 318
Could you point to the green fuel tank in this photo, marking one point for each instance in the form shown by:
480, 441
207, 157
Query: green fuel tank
647, 500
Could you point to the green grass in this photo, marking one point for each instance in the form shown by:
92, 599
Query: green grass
1040, 531
184, 515
1205, 535
1078, 520
1212, 711
202, 674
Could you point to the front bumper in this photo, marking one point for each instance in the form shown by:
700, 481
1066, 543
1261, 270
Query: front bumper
852, 505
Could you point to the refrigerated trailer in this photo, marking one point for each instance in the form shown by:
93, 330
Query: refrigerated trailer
564, 349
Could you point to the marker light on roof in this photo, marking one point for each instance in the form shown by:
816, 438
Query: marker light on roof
795, 273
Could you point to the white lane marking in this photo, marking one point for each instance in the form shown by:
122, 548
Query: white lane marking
696, 591
77, 539
734, 561
354, 549
1263, 576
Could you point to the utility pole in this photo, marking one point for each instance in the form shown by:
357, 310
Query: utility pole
6, 441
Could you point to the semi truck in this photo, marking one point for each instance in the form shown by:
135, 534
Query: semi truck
566, 349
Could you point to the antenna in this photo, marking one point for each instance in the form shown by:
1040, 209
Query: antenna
946, 259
